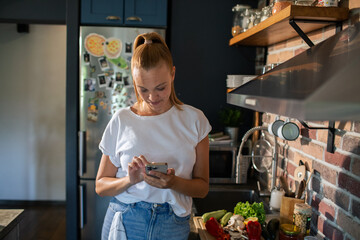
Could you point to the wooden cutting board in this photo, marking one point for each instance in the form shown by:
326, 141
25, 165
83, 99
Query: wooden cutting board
200, 226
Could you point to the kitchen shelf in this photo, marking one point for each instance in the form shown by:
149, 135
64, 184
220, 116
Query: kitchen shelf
276, 28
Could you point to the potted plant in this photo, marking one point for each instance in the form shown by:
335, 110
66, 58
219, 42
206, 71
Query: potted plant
231, 118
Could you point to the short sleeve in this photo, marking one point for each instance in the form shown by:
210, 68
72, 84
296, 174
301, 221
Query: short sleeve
203, 126
108, 141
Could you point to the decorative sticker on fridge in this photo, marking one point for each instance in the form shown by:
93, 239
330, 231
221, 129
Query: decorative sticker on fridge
112, 48
101, 80
104, 65
94, 44
98, 46
93, 109
89, 84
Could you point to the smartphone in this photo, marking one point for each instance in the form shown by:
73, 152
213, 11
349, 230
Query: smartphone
159, 167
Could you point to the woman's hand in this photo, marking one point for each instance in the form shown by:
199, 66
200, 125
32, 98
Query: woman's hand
163, 180
136, 169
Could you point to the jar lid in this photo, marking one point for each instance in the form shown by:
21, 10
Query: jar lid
238, 7
302, 208
290, 229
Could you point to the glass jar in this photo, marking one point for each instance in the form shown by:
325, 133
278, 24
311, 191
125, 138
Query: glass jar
247, 19
302, 217
251, 18
289, 232
238, 19
280, 5
266, 13
257, 19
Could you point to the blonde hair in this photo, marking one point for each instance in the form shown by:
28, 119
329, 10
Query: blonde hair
149, 50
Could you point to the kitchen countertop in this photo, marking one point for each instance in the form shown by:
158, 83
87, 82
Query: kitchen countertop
9, 218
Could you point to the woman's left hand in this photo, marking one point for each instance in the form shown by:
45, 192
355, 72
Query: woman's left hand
163, 180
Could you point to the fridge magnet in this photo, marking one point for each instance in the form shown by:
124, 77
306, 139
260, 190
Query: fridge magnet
110, 84
101, 80
100, 94
126, 82
118, 88
120, 62
86, 58
94, 44
89, 84
128, 47
93, 109
112, 48
109, 72
118, 77
104, 65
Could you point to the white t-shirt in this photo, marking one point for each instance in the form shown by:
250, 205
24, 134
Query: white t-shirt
169, 137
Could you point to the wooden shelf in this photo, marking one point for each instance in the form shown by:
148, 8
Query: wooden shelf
277, 28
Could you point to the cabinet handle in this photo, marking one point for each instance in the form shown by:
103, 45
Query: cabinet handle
113, 18
134, 18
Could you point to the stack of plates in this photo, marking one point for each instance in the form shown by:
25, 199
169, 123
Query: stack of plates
234, 81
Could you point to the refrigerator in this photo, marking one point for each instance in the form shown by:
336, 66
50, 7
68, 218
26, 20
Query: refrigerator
105, 87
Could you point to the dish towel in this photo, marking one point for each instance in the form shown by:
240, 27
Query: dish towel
117, 230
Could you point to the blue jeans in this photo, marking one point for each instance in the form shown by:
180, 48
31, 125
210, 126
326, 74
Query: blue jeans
147, 221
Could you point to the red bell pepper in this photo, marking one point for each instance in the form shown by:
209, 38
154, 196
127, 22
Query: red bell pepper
253, 230
215, 229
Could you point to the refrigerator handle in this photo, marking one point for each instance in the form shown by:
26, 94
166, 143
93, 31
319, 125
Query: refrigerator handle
82, 210
82, 152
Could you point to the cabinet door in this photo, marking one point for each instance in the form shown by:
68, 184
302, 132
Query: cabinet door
108, 12
146, 13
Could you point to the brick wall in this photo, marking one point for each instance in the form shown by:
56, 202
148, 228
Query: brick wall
334, 190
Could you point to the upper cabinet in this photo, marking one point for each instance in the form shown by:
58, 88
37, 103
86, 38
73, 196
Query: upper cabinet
33, 12
137, 13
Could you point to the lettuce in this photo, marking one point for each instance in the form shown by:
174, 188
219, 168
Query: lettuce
251, 210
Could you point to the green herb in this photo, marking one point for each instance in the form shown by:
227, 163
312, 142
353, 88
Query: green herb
251, 210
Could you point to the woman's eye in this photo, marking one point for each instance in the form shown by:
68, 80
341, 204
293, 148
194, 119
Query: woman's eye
143, 90
161, 89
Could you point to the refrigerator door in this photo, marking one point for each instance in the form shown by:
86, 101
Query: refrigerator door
105, 86
92, 210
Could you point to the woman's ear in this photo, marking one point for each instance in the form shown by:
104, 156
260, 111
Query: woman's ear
173, 73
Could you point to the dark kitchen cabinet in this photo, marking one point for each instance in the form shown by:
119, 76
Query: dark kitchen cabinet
33, 11
142, 13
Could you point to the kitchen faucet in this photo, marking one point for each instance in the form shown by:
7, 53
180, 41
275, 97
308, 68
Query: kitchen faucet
274, 158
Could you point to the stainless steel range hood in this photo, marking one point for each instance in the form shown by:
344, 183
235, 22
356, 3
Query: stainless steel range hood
322, 83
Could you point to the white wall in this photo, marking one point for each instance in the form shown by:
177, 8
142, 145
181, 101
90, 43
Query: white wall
32, 112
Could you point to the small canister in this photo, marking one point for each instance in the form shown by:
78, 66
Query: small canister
289, 232
302, 217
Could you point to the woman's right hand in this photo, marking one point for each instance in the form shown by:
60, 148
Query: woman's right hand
136, 169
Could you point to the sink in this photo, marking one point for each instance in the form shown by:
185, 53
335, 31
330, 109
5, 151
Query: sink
225, 198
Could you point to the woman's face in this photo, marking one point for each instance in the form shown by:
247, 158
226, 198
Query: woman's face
154, 87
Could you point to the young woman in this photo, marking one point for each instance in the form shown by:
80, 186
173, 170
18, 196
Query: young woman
157, 128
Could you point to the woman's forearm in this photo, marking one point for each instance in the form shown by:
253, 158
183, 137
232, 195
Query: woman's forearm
110, 186
196, 187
